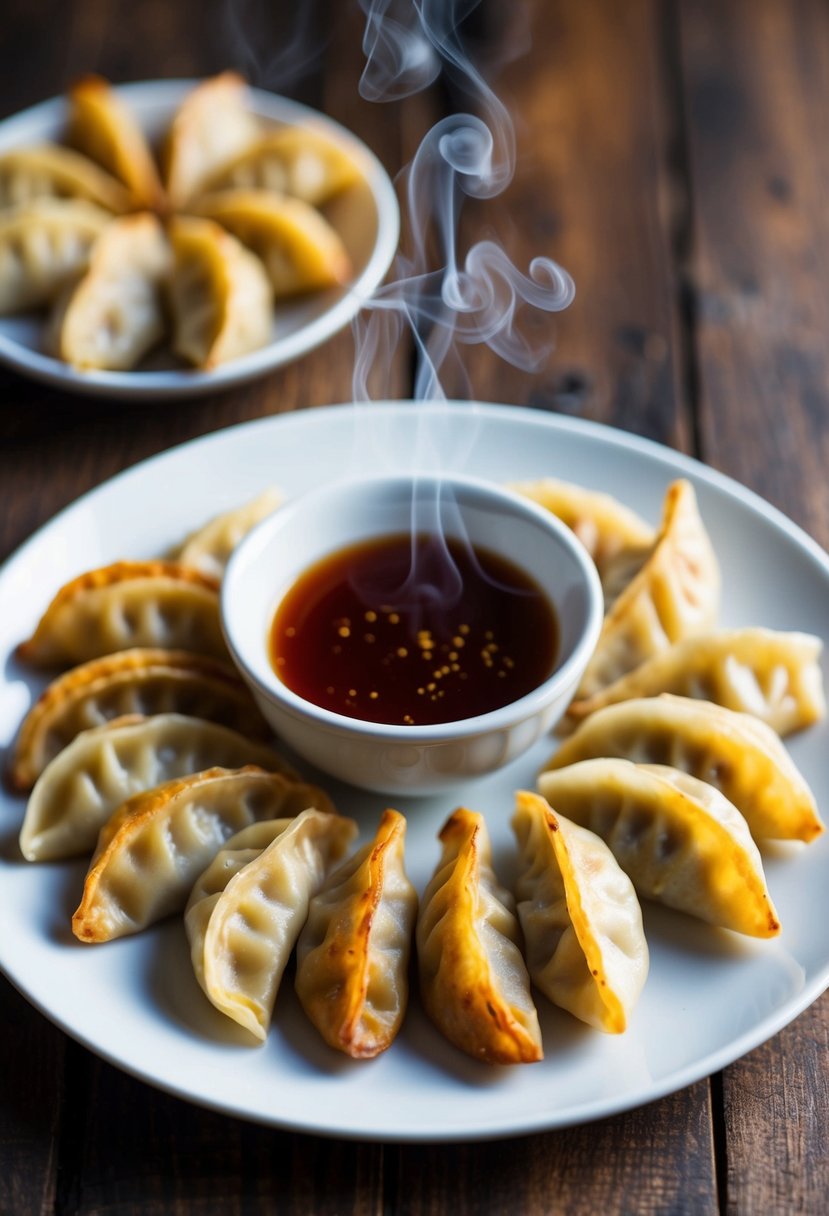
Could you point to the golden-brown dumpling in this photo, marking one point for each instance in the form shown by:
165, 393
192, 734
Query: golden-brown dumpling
673, 593
52, 171
247, 909
44, 245
774, 676
140, 681
353, 954
603, 525
735, 752
220, 294
102, 127
104, 766
680, 840
208, 549
473, 981
212, 126
298, 248
124, 605
296, 161
115, 313
584, 942
152, 850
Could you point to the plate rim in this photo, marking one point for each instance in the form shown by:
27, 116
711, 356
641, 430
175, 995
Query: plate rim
184, 383
593, 1110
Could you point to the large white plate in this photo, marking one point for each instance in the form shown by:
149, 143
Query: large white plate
711, 995
366, 216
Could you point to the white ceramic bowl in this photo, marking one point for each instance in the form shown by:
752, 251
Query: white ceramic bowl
409, 759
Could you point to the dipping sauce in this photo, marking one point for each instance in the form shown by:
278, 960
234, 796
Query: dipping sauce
413, 632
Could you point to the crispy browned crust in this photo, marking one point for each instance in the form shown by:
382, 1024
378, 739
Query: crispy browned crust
107, 576
131, 159
463, 1001
343, 1031
21, 773
127, 822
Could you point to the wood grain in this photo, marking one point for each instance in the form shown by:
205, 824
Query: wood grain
757, 88
594, 189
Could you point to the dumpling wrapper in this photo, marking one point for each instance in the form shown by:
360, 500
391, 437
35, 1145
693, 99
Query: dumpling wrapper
124, 605
52, 171
604, 526
353, 954
152, 850
220, 294
247, 909
299, 249
681, 841
209, 548
735, 752
104, 129
776, 677
673, 593
139, 681
213, 125
44, 245
99, 770
584, 942
114, 314
473, 981
296, 161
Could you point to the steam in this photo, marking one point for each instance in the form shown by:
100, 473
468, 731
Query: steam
471, 299
276, 48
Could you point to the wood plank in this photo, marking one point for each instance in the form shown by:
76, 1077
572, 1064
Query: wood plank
757, 78
31, 1065
140, 1151
593, 102
653, 1160
757, 87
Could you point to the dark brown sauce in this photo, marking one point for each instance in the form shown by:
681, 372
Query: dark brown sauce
403, 632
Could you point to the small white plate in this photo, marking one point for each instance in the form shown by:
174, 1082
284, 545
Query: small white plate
711, 995
366, 216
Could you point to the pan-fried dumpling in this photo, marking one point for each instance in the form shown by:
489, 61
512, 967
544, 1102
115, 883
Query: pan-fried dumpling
585, 946
43, 246
220, 294
680, 840
209, 548
298, 248
99, 770
603, 525
473, 981
212, 126
128, 604
774, 676
152, 850
114, 314
737, 753
297, 161
673, 594
140, 681
247, 909
52, 171
353, 954
103, 128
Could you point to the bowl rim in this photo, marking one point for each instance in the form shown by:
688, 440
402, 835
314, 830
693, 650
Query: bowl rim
527, 706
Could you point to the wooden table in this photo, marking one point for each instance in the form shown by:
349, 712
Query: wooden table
674, 158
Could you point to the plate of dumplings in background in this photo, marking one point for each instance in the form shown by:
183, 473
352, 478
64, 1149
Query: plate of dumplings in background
167, 238
619, 912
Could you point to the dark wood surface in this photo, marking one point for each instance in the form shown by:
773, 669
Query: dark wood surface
674, 158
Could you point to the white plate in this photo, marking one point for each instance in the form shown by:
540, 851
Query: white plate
366, 216
710, 996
